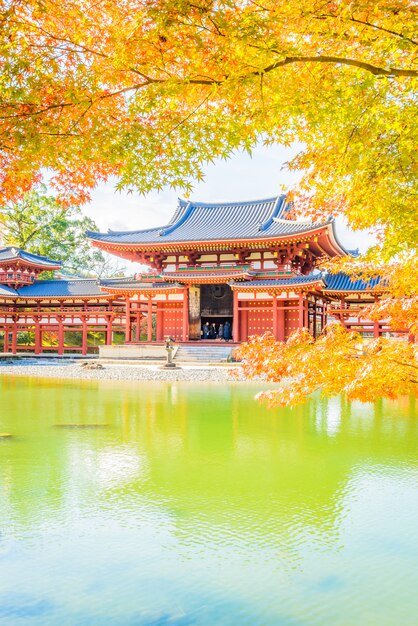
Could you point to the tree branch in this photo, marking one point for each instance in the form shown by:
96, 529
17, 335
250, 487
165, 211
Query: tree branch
368, 67
373, 69
385, 30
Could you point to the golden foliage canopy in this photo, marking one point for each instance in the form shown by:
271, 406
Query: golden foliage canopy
152, 90
340, 361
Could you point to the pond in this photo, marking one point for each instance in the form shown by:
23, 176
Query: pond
168, 504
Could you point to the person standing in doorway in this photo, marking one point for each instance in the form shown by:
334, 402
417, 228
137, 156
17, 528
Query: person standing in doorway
221, 331
227, 331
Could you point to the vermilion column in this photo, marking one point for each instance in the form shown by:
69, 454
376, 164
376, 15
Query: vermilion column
185, 314
38, 347
60, 335
149, 326
376, 325
6, 339
160, 323
274, 305
127, 320
301, 310
84, 336
14, 336
324, 315
281, 321
109, 331
138, 323
243, 315
235, 321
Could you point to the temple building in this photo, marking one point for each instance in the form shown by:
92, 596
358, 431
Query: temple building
52, 315
247, 266
215, 272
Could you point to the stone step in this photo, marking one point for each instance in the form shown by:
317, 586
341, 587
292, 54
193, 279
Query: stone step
201, 353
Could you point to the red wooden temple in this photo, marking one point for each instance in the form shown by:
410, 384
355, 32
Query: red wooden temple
247, 266
246, 263
51, 315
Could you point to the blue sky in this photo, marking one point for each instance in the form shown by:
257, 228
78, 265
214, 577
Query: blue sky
242, 177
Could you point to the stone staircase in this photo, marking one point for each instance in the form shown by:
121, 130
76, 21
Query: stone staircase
201, 353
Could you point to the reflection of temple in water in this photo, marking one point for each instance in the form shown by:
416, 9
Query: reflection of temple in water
206, 457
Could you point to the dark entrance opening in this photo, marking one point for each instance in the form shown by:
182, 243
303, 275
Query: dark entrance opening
216, 307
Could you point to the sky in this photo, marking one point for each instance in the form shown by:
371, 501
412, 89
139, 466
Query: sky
242, 177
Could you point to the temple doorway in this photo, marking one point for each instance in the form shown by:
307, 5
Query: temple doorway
216, 308
220, 328
212, 304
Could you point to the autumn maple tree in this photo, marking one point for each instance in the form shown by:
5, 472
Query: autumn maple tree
150, 91
337, 362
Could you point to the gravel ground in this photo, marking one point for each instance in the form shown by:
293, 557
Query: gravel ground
195, 373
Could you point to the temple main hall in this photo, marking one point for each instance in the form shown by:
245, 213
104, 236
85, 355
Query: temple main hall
217, 272
245, 266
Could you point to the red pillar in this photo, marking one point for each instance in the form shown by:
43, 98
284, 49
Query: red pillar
244, 325
376, 325
301, 309
84, 337
60, 335
38, 338
127, 320
14, 336
160, 323
235, 320
149, 321
281, 322
109, 331
6, 339
185, 314
274, 305
138, 323
324, 315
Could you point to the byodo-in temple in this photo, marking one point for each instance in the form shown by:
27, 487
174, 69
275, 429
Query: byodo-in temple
216, 272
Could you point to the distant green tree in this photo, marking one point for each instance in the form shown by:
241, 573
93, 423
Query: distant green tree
40, 224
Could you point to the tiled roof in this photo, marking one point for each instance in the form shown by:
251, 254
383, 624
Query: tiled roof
11, 254
288, 281
343, 282
7, 291
198, 221
80, 287
208, 272
128, 284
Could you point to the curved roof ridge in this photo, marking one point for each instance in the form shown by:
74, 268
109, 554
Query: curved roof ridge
331, 222
227, 221
176, 223
280, 207
20, 253
235, 203
92, 234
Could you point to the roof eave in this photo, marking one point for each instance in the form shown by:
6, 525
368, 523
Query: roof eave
151, 246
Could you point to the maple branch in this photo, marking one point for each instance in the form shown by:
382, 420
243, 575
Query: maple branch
385, 30
373, 69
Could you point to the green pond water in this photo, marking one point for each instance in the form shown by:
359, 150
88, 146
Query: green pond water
181, 505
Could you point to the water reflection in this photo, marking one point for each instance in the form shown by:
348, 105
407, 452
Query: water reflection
195, 503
